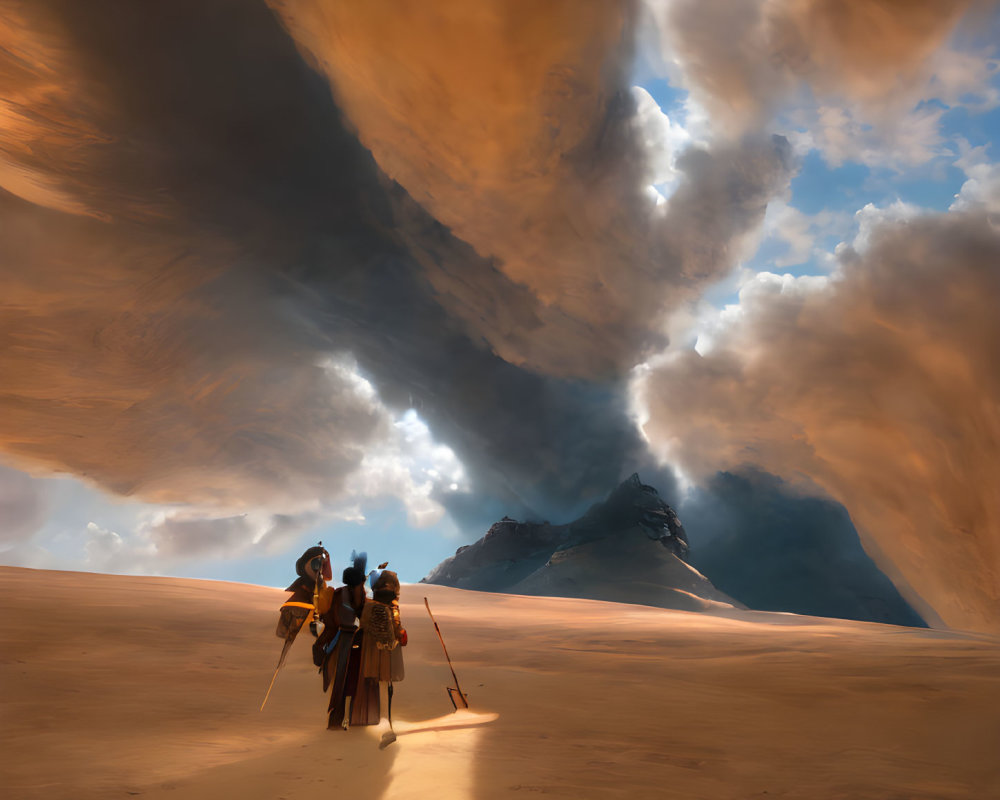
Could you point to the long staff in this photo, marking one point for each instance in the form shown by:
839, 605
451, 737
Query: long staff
289, 638
452, 690
320, 566
281, 661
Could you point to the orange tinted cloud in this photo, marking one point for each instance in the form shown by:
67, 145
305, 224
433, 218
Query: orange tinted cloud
878, 386
129, 360
202, 232
865, 51
745, 60
63, 139
139, 348
511, 124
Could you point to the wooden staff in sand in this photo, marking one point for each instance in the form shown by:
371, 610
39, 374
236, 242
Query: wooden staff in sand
453, 691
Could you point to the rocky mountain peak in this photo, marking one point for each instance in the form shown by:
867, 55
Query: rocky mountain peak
634, 503
631, 547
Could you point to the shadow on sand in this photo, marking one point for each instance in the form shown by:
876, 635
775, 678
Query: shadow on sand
457, 720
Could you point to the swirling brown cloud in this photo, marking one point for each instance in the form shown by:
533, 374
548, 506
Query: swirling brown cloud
511, 124
879, 386
195, 221
193, 231
139, 345
745, 60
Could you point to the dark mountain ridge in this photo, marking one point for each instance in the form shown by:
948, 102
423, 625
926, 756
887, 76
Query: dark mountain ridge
772, 552
630, 548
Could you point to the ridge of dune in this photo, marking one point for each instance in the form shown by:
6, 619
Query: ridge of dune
114, 686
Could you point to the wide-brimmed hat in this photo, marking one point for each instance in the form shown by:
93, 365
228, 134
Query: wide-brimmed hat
313, 552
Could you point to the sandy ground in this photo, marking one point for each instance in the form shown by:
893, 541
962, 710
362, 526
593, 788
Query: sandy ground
117, 687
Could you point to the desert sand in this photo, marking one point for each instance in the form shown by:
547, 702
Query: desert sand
117, 687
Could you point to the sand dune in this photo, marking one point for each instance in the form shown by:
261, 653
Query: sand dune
149, 687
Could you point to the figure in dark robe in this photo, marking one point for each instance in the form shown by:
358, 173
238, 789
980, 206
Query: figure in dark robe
340, 646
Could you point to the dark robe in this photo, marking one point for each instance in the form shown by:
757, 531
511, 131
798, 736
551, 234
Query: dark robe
341, 665
365, 702
302, 590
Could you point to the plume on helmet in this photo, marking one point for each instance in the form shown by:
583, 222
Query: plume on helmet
355, 574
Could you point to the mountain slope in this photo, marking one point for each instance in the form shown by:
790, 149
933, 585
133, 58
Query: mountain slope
629, 548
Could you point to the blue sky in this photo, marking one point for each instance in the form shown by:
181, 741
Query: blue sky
828, 190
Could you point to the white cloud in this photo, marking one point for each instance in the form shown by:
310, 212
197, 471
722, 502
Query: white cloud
841, 134
871, 218
800, 232
410, 465
106, 551
402, 461
981, 190
661, 138
966, 79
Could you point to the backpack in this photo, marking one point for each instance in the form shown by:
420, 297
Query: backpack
381, 627
292, 617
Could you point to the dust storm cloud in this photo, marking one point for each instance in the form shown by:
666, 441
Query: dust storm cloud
193, 238
211, 211
879, 385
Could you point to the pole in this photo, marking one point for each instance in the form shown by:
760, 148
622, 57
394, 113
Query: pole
281, 660
289, 638
452, 691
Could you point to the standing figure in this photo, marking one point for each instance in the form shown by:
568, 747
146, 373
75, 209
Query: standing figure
339, 648
313, 569
311, 597
310, 600
385, 636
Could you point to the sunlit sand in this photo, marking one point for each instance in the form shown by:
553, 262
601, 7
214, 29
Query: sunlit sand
150, 687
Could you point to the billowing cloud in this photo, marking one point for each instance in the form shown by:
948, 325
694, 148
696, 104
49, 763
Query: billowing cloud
850, 79
185, 535
22, 507
193, 237
515, 129
161, 539
106, 551
870, 52
878, 386
507, 126
235, 254
141, 348
746, 61
981, 190
662, 139
800, 235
